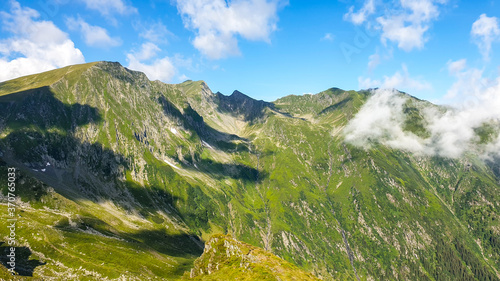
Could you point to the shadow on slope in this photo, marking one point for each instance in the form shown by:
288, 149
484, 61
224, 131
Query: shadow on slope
239, 104
39, 107
233, 170
191, 120
159, 240
41, 127
339, 105
24, 266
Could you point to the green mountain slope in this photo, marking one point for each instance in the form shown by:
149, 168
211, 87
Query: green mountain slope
147, 171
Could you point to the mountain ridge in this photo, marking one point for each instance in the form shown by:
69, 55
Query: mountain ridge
154, 169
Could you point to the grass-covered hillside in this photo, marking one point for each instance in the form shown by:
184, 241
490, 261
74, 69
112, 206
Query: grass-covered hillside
121, 177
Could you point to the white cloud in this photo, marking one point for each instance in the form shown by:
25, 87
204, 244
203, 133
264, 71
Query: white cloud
360, 16
400, 80
485, 31
407, 36
451, 129
469, 82
404, 22
148, 50
217, 46
407, 28
155, 68
160, 69
155, 32
35, 45
373, 61
453, 132
94, 36
455, 67
381, 120
328, 37
218, 23
109, 7
182, 62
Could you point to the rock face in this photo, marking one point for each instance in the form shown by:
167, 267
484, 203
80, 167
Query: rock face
239, 104
226, 258
145, 172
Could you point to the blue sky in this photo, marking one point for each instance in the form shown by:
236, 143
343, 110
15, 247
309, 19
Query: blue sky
432, 49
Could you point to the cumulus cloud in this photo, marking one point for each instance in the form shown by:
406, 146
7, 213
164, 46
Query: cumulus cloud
485, 31
94, 36
360, 16
407, 27
148, 50
34, 46
403, 22
406, 36
145, 60
400, 80
218, 23
160, 69
109, 7
452, 129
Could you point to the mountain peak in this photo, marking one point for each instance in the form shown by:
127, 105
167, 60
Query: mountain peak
240, 104
118, 71
237, 93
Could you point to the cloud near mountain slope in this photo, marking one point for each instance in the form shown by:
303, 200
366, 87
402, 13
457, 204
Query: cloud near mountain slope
452, 130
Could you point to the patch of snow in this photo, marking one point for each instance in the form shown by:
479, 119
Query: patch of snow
206, 144
35, 170
173, 130
338, 185
43, 170
171, 164
48, 164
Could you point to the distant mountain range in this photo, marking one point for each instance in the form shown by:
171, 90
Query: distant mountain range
125, 178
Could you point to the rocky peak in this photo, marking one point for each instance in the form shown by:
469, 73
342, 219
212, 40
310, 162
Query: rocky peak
116, 70
240, 104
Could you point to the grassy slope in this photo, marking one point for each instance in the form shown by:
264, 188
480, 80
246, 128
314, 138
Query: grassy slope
71, 73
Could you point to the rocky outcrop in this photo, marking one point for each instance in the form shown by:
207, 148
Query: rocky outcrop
226, 258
